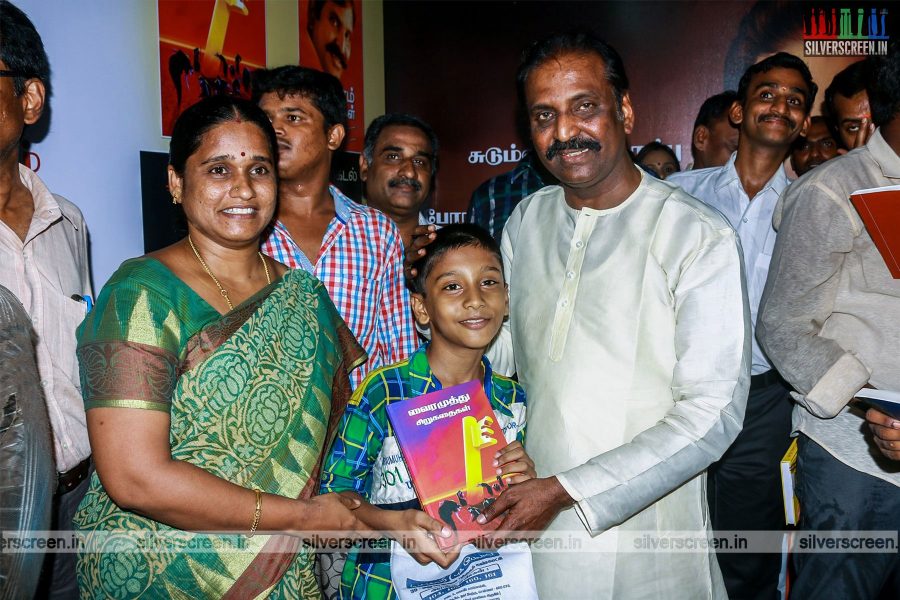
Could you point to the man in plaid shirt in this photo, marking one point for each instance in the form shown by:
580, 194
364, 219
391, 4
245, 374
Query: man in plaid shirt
354, 250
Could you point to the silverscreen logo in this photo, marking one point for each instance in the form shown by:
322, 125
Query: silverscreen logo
848, 31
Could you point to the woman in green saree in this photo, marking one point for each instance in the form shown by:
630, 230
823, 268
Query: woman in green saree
213, 380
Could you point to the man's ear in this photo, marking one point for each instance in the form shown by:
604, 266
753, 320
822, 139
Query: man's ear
32, 99
363, 168
804, 129
627, 113
736, 113
336, 136
420, 313
700, 137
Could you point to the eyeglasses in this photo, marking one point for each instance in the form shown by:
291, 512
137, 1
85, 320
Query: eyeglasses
5, 73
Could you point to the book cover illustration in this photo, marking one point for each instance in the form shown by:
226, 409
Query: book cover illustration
879, 209
448, 440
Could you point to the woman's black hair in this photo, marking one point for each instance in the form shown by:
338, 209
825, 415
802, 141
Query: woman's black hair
196, 120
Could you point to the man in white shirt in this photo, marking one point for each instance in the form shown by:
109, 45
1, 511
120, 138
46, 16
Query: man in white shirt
44, 262
772, 109
624, 293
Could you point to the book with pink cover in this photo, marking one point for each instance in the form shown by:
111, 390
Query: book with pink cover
448, 440
879, 209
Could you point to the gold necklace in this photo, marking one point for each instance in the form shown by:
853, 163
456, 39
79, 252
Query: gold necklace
216, 281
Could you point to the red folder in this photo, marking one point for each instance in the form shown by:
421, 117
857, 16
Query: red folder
879, 209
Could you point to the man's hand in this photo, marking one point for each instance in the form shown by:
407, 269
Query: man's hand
886, 430
529, 507
422, 236
865, 131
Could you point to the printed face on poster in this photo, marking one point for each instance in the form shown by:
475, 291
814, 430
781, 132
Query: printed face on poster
331, 41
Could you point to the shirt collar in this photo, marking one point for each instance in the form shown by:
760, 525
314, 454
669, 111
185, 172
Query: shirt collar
46, 207
884, 155
728, 174
423, 380
344, 207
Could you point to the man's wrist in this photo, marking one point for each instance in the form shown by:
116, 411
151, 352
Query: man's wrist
560, 496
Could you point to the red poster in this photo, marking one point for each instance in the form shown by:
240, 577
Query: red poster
331, 41
207, 47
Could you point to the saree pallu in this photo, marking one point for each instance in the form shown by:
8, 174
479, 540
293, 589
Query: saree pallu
256, 400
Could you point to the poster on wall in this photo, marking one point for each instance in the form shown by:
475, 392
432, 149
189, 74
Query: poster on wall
207, 47
331, 41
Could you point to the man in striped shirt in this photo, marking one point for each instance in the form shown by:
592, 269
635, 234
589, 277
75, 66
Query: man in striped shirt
354, 250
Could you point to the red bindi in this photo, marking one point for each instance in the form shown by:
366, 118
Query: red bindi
243, 154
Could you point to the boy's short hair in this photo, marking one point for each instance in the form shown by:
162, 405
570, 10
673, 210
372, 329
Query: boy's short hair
452, 237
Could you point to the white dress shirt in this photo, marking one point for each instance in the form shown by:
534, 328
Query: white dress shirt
44, 272
720, 187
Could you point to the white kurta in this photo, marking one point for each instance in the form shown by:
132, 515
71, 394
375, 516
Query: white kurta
629, 330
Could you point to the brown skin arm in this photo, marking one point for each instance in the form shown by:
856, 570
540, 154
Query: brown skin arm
133, 460
422, 236
529, 507
886, 432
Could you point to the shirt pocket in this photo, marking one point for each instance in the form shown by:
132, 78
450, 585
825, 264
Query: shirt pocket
63, 315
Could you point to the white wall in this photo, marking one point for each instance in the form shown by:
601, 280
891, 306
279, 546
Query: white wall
104, 56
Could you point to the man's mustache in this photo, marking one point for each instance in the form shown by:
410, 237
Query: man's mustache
334, 49
791, 123
413, 183
578, 143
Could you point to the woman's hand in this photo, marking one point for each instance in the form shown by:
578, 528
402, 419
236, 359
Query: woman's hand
332, 513
416, 532
513, 464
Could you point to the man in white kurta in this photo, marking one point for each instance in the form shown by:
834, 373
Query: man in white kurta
629, 329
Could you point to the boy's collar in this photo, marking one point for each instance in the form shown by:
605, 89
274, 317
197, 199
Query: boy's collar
424, 380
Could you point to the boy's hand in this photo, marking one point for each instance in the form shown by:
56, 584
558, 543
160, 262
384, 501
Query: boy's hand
513, 464
411, 528
422, 236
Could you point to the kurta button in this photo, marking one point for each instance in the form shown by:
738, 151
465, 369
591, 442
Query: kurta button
579, 244
570, 275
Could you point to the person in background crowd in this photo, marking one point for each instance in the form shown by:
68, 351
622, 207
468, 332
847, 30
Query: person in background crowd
329, 29
398, 166
714, 138
44, 262
494, 200
213, 379
660, 158
847, 105
770, 27
813, 149
829, 321
772, 110
353, 249
628, 405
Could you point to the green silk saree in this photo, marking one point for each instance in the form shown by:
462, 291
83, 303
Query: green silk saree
254, 397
